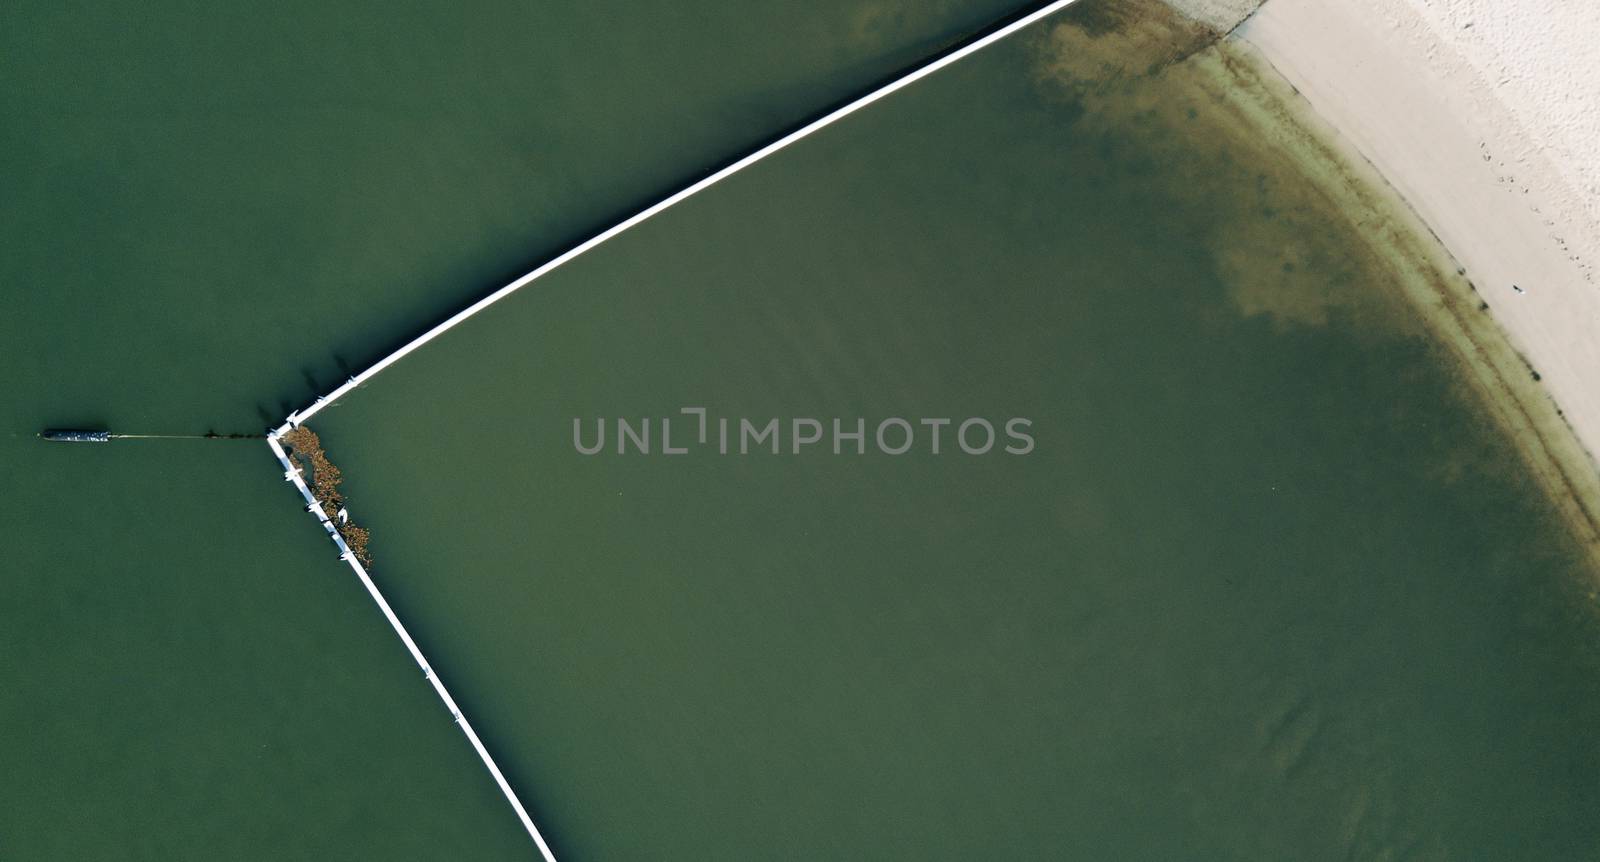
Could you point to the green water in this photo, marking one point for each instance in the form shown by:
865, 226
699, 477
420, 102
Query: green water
1269, 587
207, 214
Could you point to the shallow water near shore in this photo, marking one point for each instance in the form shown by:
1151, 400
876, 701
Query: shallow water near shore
1271, 585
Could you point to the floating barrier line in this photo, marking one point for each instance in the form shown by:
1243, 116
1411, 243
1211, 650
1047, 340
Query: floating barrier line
670, 201
292, 473
187, 436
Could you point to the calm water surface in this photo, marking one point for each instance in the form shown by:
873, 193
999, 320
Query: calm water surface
1268, 588
207, 213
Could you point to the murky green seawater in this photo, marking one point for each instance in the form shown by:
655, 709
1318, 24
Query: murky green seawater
1268, 588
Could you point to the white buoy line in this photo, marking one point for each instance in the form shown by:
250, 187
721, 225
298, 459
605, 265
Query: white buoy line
293, 474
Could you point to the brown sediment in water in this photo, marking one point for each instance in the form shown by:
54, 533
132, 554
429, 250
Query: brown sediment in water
1433, 283
305, 448
1283, 197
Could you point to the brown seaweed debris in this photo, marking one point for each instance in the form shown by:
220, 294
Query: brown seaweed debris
305, 449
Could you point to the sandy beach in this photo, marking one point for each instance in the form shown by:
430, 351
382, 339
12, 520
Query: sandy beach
1483, 119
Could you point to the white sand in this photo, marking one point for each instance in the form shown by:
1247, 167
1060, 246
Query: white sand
1219, 15
1492, 134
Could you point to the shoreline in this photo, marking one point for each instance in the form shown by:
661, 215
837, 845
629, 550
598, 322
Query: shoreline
1396, 109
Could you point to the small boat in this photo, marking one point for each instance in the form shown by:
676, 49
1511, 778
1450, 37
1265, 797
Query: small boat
63, 435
